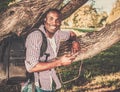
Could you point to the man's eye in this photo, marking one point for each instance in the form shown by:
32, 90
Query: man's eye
51, 18
58, 21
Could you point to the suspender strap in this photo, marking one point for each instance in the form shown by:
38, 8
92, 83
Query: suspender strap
44, 42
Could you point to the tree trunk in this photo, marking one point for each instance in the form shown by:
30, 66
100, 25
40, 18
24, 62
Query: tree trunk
28, 13
94, 42
98, 41
71, 7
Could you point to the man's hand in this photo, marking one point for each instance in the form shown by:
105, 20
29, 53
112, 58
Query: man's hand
75, 47
67, 59
75, 44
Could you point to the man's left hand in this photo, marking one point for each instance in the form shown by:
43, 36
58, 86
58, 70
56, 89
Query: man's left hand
75, 47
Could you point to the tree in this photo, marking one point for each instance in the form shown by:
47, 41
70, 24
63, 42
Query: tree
24, 15
28, 13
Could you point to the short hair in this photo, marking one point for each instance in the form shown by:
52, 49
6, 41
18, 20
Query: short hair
41, 21
52, 10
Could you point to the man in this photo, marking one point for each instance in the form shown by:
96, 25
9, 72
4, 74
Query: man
44, 72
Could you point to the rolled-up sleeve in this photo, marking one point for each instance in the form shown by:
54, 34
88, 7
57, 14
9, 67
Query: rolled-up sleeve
33, 44
64, 35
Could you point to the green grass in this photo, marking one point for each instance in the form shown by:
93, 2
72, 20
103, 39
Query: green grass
105, 63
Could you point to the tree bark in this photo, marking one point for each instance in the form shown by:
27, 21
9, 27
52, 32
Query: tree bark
28, 13
96, 42
71, 7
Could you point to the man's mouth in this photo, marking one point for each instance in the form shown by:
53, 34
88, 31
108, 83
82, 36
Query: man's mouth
53, 27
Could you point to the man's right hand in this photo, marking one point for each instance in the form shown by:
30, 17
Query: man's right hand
67, 59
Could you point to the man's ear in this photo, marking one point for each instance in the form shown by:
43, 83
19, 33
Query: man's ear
44, 19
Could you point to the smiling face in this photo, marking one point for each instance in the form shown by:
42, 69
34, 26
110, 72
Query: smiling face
52, 22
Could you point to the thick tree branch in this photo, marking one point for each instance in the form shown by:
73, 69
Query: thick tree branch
24, 14
28, 13
96, 42
71, 7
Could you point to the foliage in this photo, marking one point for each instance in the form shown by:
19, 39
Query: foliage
4, 4
115, 13
86, 16
105, 63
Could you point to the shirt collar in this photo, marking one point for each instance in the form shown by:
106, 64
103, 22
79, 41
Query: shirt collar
42, 28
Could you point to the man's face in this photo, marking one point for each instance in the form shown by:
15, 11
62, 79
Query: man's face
52, 22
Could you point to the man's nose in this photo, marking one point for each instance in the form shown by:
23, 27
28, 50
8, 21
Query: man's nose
54, 22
